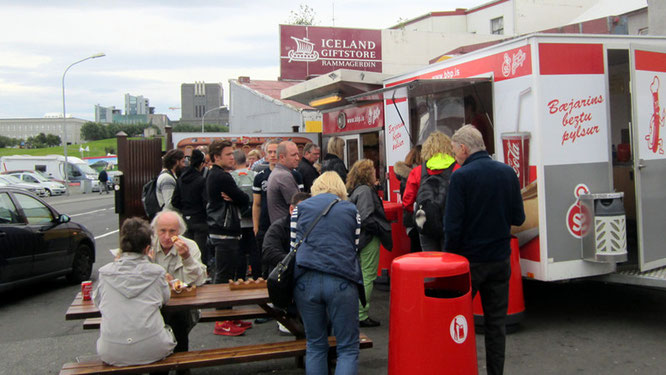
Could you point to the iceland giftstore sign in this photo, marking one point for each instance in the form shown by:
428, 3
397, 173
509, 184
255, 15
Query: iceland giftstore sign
307, 51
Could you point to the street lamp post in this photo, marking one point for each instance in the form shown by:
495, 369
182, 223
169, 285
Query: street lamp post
207, 112
64, 113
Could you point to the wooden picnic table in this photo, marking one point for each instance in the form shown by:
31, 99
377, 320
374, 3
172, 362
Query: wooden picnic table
208, 296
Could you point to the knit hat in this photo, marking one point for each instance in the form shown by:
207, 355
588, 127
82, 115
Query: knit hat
196, 158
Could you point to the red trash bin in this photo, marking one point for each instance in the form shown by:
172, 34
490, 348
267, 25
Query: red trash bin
401, 243
431, 329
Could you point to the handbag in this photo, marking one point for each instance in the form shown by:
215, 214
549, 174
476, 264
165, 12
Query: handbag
226, 217
280, 281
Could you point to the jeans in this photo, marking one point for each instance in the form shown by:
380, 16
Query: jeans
369, 263
226, 259
492, 281
198, 232
319, 297
248, 250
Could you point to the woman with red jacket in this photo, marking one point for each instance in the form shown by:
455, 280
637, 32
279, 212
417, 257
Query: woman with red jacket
436, 151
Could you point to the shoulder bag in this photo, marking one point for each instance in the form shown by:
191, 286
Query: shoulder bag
280, 281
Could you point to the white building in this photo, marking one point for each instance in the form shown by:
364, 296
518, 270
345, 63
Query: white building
23, 128
256, 107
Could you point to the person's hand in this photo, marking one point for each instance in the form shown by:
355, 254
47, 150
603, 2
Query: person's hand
226, 197
168, 278
181, 247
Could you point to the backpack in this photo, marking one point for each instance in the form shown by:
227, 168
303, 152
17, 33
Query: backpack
149, 198
245, 179
431, 201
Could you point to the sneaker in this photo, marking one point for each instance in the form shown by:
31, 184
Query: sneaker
242, 324
283, 330
368, 323
227, 328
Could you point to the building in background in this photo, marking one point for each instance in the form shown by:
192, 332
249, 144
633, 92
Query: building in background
198, 99
256, 107
104, 115
23, 128
137, 105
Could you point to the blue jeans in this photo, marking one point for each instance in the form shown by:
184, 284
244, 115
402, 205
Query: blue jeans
320, 296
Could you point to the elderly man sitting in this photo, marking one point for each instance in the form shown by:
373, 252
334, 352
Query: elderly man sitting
182, 260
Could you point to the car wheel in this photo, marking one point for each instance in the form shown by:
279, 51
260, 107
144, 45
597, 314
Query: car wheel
82, 265
48, 193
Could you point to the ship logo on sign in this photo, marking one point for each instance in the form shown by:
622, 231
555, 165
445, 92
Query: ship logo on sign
304, 51
459, 329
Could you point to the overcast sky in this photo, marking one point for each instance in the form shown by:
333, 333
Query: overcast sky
152, 47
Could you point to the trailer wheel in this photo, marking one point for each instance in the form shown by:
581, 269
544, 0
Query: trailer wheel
81, 266
48, 193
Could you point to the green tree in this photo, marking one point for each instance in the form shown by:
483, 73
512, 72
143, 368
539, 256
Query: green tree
303, 16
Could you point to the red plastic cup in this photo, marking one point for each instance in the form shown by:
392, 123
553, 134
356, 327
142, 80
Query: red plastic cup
86, 290
517, 154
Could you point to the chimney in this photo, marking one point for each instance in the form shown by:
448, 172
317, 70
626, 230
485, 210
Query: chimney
244, 79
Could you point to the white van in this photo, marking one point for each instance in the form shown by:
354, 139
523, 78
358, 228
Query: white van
52, 166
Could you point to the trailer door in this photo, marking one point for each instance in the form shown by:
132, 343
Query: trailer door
648, 86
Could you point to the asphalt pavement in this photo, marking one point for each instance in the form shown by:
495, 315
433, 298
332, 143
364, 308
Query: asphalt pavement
575, 327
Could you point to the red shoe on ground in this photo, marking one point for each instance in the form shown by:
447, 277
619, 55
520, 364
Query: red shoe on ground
227, 328
242, 324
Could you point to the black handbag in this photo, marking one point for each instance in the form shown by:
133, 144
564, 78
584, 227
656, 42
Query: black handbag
227, 217
280, 281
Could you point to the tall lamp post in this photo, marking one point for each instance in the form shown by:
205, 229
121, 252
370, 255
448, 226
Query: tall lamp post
64, 114
207, 112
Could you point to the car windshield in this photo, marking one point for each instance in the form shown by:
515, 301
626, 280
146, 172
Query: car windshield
42, 174
39, 177
85, 168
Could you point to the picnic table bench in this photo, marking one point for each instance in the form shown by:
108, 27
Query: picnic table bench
249, 302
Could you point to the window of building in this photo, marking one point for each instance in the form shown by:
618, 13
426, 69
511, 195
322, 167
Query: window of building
497, 26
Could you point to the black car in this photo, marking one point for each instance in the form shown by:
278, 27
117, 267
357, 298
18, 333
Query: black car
37, 242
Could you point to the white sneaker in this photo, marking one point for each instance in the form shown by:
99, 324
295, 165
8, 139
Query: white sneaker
283, 330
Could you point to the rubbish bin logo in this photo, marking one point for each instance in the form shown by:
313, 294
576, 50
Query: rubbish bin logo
459, 329
577, 215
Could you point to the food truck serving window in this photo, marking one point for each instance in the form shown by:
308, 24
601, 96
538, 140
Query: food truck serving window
436, 104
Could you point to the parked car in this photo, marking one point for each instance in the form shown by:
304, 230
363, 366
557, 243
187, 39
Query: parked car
37, 242
15, 182
50, 187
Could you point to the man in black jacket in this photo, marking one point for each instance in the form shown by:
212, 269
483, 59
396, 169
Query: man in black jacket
306, 168
483, 203
221, 188
276, 240
190, 199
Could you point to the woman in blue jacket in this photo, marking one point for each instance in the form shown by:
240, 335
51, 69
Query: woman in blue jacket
328, 274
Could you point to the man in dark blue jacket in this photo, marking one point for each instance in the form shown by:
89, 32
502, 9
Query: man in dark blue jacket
483, 203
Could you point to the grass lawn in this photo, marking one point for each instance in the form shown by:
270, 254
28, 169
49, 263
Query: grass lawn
97, 148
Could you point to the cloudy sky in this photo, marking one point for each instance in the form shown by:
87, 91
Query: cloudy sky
152, 47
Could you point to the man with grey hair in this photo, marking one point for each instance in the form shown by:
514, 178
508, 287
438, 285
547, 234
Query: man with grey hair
281, 184
483, 203
181, 258
306, 167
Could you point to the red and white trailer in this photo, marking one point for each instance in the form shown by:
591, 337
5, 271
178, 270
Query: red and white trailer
577, 116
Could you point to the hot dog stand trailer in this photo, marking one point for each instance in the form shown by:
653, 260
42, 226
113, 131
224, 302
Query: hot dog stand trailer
580, 118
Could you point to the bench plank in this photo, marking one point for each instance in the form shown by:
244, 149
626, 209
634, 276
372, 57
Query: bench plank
237, 313
206, 358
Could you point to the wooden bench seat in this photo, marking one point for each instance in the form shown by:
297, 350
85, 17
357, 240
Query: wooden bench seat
208, 315
206, 358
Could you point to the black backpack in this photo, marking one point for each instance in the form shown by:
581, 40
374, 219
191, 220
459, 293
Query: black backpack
431, 201
149, 198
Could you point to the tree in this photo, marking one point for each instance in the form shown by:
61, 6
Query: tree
304, 16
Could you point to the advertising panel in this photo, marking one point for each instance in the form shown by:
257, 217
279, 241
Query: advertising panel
650, 95
355, 118
307, 51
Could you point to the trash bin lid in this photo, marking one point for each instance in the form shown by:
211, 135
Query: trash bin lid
432, 264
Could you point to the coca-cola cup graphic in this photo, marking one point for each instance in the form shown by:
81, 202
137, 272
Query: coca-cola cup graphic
517, 154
